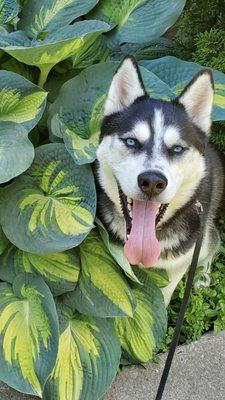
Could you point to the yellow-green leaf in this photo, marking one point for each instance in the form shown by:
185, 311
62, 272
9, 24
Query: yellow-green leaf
51, 207
141, 335
87, 361
102, 291
28, 334
117, 251
21, 101
59, 270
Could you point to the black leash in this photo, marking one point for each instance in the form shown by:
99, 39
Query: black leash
184, 304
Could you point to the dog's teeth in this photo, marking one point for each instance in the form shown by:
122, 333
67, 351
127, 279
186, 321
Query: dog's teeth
129, 201
128, 237
129, 207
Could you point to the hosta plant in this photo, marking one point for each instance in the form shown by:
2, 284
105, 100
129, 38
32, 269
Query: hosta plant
71, 305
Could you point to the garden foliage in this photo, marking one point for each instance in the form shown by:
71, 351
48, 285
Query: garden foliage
70, 303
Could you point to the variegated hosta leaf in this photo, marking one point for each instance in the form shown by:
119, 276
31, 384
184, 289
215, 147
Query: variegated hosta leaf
21, 101
137, 21
53, 47
87, 361
117, 251
28, 334
51, 207
142, 335
177, 74
43, 16
9, 10
77, 113
16, 150
59, 270
101, 291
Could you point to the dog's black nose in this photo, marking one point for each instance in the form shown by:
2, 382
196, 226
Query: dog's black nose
152, 183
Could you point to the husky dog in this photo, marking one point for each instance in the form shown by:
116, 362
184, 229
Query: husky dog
154, 164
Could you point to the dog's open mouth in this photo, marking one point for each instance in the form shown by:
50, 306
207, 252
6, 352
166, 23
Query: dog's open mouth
142, 217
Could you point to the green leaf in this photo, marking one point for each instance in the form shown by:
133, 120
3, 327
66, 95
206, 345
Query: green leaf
117, 251
28, 334
137, 21
141, 335
54, 47
16, 150
51, 207
177, 74
42, 16
3, 241
59, 270
24, 70
88, 358
94, 51
159, 276
9, 10
21, 101
102, 290
77, 113
155, 49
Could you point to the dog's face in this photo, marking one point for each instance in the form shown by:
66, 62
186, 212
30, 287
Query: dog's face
153, 149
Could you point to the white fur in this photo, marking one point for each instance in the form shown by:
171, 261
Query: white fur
177, 267
198, 101
172, 137
125, 88
141, 132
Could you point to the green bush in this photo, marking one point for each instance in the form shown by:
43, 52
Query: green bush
198, 17
200, 38
210, 48
70, 303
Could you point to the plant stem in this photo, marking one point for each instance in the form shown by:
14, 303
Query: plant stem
44, 71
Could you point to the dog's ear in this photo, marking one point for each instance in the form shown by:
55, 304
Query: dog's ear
197, 99
125, 88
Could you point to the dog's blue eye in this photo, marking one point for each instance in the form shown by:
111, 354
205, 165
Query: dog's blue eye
131, 142
177, 149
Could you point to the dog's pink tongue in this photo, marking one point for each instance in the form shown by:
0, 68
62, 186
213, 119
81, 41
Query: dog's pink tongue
142, 247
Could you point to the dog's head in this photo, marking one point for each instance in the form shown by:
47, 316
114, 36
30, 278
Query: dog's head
151, 151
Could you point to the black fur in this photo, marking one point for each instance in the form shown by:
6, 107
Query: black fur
142, 110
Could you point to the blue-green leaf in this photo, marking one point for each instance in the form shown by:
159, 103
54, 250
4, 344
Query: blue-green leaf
16, 150
137, 21
177, 74
43, 16
9, 10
